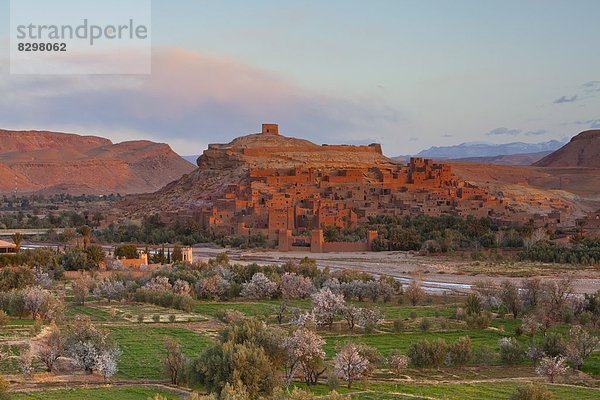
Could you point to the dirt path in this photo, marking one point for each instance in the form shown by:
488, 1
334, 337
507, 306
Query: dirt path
69, 382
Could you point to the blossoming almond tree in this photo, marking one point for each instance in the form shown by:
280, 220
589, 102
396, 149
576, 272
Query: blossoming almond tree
350, 365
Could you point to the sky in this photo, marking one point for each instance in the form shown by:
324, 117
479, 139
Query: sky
406, 74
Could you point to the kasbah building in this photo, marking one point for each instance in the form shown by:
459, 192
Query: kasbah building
291, 206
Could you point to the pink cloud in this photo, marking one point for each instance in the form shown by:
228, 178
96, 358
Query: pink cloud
191, 96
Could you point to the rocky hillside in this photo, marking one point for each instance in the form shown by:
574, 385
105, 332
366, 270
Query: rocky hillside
51, 162
582, 151
223, 165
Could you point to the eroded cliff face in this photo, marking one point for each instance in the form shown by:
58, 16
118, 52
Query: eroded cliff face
276, 151
51, 162
582, 151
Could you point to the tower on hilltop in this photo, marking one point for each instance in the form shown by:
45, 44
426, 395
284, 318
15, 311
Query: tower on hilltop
270, 129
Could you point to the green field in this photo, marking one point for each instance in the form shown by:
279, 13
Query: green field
386, 342
248, 308
95, 313
143, 348
109, 393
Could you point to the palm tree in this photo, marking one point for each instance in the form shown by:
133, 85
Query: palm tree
17, 239
85, 233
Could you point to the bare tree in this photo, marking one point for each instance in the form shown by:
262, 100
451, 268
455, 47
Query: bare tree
414, 292
174, 360
81, 288
555, 295
280, 311
351, 314
537, 235
509, 294
51, 347
26, 362
581, 345
531, 291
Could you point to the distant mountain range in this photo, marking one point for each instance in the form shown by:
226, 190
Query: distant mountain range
478, 149
507, 159
191, 159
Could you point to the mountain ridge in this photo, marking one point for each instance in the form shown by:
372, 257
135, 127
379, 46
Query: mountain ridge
583, 150
478, 149
49, 162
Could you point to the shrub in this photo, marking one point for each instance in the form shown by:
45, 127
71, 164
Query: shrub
461, 351
554, 344
484, 355
426, 353
535, 353
479, 321
333, 382
413, 315
533, 391
156, 318
4, 318
425, 325
140, 318
398, 362
36, 328
473, 305
228, 316
444, 324
4, 391
398, 325
172, 318
510, 350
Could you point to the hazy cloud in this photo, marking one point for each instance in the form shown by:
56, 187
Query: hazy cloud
413, 139
514, 132
190, 97
565, 99
587, 90
590, 123
591, 87
447, 135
